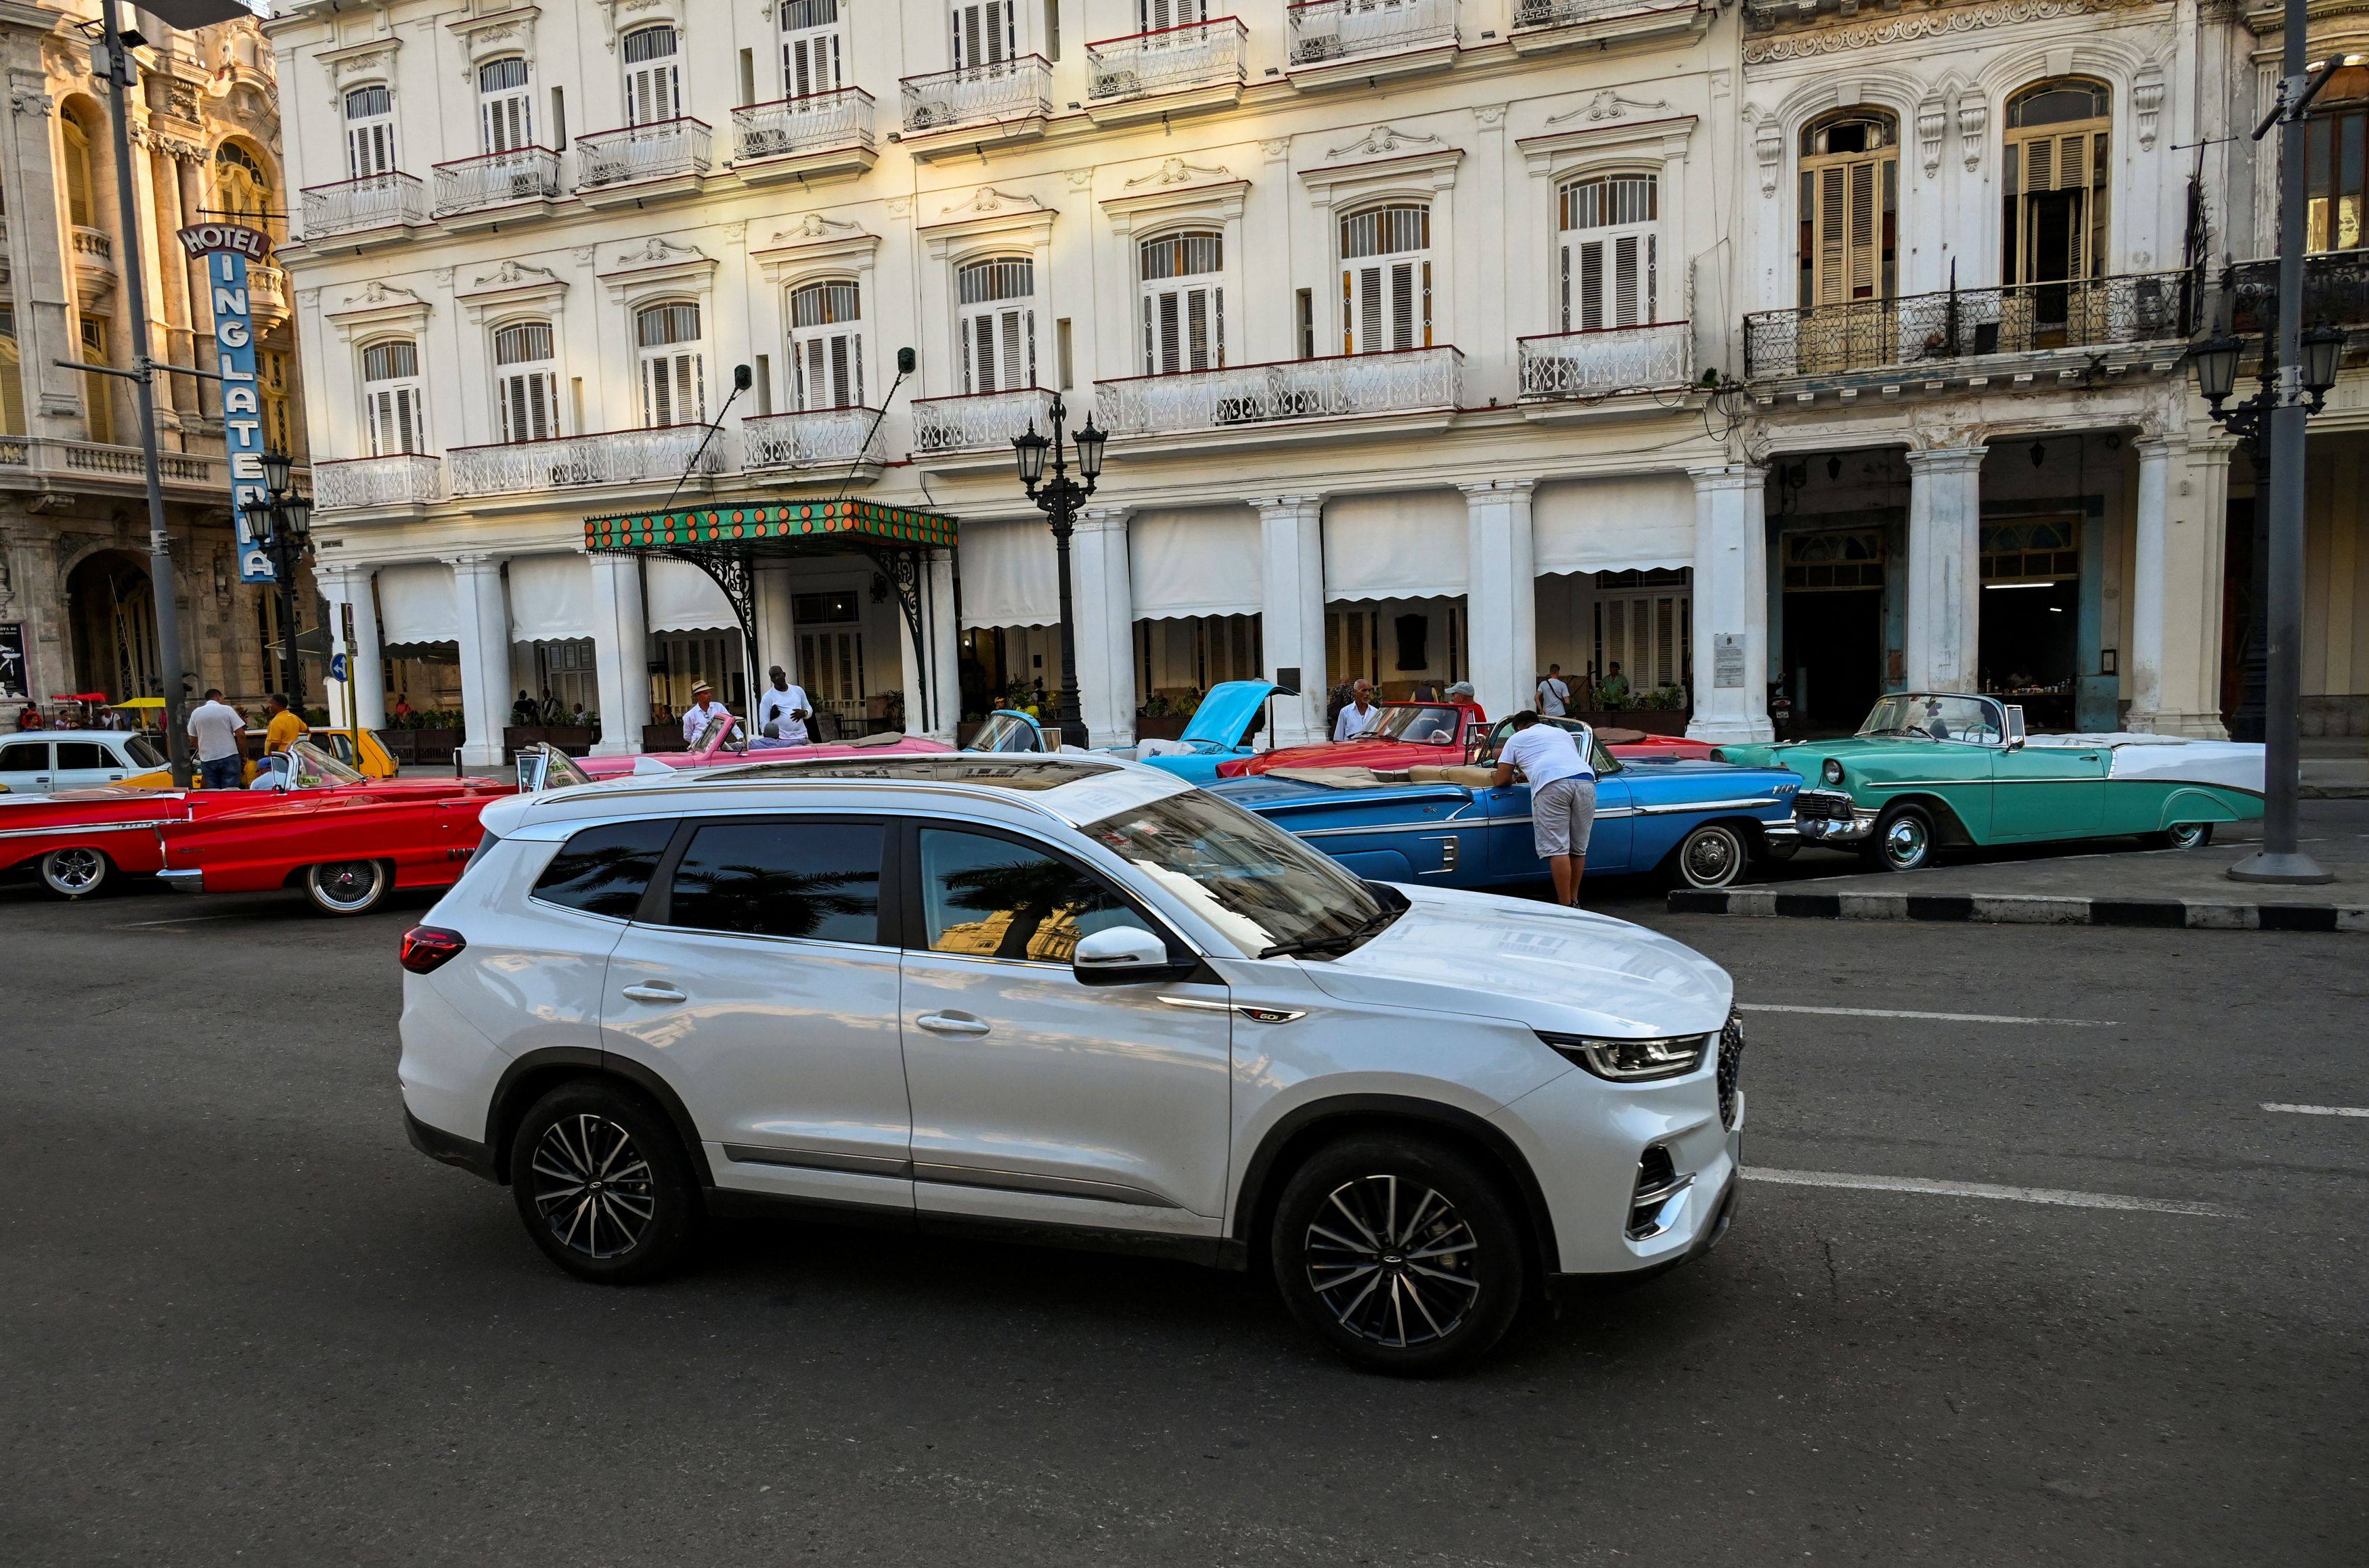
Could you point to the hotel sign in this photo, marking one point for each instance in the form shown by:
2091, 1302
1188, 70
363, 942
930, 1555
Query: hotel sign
227, 248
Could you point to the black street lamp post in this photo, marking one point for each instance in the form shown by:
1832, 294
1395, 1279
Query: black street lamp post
286, 520
1058, 497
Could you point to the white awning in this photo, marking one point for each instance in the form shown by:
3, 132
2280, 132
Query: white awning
1205, 561
1613, 525
551, 597
1008, 575
416, 605
685, 599
1400, 546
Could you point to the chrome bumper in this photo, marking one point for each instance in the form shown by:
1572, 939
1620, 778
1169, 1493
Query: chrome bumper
190, 881
1824, 829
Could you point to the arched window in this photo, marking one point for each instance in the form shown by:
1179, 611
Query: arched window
370, 131
673, 370
1609, 269
2054, 170
1183, 302
526, 382
2336, 215
1850, 208
827, 344
653, 77
505, 105
997, 318
391, 405
74, 137
810, 47
1386, 278
242, 188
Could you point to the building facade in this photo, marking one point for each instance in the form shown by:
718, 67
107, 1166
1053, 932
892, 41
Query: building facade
1740, 346
77, 608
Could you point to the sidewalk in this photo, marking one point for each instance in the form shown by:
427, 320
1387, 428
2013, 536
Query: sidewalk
2336, 767
2113, 883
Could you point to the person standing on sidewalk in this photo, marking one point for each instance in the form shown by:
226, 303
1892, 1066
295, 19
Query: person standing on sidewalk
213, 735
1555, 696
1358, 716
781, 712
1562, 796
282, 728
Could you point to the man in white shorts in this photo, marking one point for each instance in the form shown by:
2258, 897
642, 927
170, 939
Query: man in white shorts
1562, 796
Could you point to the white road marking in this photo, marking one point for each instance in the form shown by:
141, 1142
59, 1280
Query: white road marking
1931, 1017
1988, 1190
2319, 1110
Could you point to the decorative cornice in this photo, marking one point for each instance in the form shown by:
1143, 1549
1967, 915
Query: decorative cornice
988, 199
1941, 23
1385, 139
814, 227
1176, 171
1609, 105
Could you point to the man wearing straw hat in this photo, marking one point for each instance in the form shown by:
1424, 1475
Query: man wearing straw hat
704, 711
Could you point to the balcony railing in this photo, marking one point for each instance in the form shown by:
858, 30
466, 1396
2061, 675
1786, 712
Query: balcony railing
267, 290
2335, 293
1326, 30
403, 478
1006, 90
823, 437
1572, 13
665, 150
1607, 360
1170, 60
95, 247
614, 457
98, 460
982, 421
373, 201
1958, 323
802, 124
1342, 386
497, 179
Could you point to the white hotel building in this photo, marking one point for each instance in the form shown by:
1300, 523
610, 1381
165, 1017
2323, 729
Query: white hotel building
1400, 312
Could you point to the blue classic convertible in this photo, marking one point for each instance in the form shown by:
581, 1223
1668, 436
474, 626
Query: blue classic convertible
1700, 822
1222, 727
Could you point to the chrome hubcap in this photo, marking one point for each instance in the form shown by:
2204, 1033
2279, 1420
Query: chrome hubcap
1903, 841
1710, 859
592, 1187
75, 871
1393, 1261
2187, 836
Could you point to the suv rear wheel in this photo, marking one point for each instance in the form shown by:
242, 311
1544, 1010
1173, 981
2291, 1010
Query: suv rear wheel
602, 1184
1400, 1253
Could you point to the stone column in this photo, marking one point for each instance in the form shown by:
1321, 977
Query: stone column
335, 695
484, 656
1501, 595
2158, 455
777, 630
1103, 592
1731, 604
365, 662
946, 646
621, 653
1291, 622
2176, 586
1945, 588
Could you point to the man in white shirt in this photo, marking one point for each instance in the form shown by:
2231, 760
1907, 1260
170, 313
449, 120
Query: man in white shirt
704, 711
1562, 796
1554, 697
1359, 716
213, 732
782, 711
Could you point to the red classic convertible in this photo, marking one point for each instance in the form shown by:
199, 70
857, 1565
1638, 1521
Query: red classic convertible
1412, 735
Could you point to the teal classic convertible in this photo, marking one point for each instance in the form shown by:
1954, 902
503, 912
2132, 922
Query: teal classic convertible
1935, 769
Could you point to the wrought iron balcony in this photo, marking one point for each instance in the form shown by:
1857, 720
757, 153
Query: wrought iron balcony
823, 437
1410, 380
497, 179
1961, 324
612, 457
668, 149
1019, 89
402, 479
2335, 293
374, 201
1609, 361
1323, 31
1534, 16
980, 422
788, 127
1168, 60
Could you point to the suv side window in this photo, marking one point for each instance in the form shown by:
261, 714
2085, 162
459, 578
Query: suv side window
993, 898
782, 878
602, 871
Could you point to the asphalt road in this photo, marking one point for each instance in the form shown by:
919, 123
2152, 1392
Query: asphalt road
241, 1321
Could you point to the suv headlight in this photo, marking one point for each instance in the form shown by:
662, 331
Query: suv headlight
1633, 1061
1832, 772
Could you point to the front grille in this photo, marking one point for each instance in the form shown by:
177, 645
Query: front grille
1731, 1067
1825, 805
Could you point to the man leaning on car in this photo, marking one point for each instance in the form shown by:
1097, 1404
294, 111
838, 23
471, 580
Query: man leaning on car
1563, 797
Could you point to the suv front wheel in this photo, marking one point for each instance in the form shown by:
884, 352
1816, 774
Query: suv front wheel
602, 1184
1400, 1253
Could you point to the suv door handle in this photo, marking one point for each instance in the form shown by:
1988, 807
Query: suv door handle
951, 1023
653, 993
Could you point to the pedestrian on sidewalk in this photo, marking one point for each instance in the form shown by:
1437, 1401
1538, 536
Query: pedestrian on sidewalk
213, 732
281, 728
1359, 716
1562, 796
1555, 696
781, 712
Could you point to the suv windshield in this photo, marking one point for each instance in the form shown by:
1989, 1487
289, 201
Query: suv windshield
1417, 722
1936, 716
1254, 882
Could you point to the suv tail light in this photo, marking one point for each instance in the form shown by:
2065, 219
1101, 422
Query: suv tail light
426, 948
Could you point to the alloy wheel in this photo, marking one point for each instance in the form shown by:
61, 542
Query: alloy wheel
1393, 1261
1906, 843
74, 871
592, 1187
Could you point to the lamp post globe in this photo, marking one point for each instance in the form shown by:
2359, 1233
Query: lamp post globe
278, 466
1091, 442
1029, 450
2323, 356
2214, 360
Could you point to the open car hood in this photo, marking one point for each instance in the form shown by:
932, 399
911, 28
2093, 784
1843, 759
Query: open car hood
1220, 719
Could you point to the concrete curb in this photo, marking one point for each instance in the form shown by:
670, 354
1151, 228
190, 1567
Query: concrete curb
2022, 909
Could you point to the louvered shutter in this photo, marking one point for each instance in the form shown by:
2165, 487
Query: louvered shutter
1847, 229
1184, 328
984, 34
674, 389
831, 372
810, 61
530, 406
394, 421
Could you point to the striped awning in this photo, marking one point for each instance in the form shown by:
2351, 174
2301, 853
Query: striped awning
773, 528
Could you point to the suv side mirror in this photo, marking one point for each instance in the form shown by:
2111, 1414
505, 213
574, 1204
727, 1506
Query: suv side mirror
1122, 954
2014, 736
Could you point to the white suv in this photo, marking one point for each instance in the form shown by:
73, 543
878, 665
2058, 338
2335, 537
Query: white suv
1077, 999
